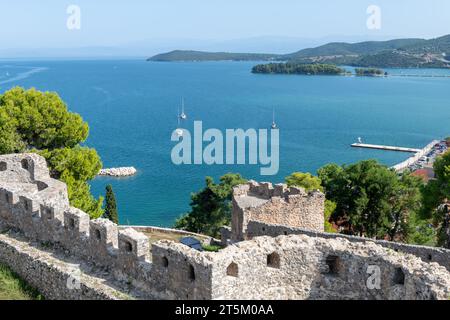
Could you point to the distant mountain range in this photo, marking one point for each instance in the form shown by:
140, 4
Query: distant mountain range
399, 53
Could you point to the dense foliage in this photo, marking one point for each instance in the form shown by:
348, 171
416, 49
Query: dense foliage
352, 49
111, 205
304, 180
369, 72
398, 53
211, 206
391, 59
298, 68
436, 192
371, 199
34, 121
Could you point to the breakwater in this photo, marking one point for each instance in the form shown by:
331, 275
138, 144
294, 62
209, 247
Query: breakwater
118, 172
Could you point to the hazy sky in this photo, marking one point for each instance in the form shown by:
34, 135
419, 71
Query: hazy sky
38, 24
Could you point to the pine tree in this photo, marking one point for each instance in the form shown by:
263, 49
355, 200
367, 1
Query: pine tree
111, 206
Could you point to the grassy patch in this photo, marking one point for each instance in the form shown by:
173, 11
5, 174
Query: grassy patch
14, 288
211, 247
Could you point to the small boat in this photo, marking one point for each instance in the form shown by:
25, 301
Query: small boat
274, 125
179, 132
183, 115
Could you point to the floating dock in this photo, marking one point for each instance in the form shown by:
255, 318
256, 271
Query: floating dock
381, 147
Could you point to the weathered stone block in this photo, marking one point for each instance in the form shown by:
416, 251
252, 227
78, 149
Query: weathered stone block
103, 232
76, 221
29, 205
279, 190
49, 213
134, 243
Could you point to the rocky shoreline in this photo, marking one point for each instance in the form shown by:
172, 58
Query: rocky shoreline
118, 172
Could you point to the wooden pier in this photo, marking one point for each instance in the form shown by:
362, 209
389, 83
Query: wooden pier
381, 147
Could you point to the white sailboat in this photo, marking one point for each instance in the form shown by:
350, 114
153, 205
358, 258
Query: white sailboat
183, 115
179, 130
274, 125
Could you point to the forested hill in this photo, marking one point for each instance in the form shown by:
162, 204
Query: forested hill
400, 53
184, 55
360, 48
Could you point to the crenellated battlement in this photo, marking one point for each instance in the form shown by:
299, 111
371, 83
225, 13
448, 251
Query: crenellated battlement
264, 268
266, 190
96, 239
44, 214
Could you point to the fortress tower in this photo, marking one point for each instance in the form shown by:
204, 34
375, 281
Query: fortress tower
262, 202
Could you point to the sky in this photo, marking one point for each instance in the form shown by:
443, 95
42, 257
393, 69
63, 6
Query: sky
26, 24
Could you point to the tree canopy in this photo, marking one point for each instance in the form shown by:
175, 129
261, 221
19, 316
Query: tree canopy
298, 68
435, 193
111, 205
211, 206
369, 72
40, 120
304, 180
372, 199
35, 121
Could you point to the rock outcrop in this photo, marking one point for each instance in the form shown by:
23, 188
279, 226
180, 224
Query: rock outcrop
118, 172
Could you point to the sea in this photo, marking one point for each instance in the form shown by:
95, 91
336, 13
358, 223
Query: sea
132, 105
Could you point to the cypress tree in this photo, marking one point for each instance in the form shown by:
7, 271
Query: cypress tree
111, 206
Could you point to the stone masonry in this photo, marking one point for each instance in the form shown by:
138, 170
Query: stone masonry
46, 241
276, 205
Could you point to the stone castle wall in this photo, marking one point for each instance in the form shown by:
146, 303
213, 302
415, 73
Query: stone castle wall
427, 254
38, 206
293, 266
276, 205
303, 267
55, 278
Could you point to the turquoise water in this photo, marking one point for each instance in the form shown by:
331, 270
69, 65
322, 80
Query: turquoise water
131, 108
